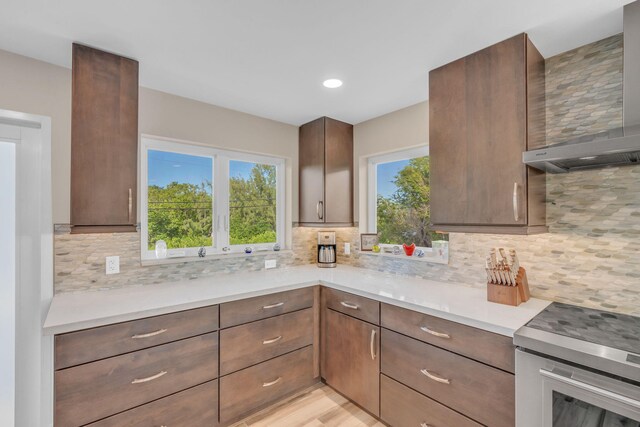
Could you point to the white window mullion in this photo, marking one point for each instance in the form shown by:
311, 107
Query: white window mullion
222, 193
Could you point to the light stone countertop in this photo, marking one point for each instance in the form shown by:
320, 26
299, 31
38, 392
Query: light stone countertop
451, 301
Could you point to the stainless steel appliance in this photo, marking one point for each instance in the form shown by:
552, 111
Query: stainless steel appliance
578, 367
327, 249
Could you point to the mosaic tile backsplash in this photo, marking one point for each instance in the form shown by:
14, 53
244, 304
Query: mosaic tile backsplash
590, 257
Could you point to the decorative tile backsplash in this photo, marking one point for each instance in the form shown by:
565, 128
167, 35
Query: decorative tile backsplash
590, 257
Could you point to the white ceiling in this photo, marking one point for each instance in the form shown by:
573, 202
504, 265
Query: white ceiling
269, 57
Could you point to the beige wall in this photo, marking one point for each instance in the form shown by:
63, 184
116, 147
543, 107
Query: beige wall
32, 86
395, 131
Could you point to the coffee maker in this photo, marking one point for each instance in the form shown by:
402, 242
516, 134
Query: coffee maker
326, 249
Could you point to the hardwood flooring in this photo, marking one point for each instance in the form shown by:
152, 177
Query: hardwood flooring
315, 407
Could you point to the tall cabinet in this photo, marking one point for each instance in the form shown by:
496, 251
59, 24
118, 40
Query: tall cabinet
326, 173
484, 111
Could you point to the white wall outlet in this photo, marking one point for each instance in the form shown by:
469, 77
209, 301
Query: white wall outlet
347, 248
113, 265
270, 263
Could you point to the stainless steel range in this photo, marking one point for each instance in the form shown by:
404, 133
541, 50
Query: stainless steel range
578, 367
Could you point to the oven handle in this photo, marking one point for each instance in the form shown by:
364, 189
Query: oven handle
591, 388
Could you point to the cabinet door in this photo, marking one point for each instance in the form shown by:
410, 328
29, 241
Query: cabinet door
104, 140
351, 362
338, 150
311, 166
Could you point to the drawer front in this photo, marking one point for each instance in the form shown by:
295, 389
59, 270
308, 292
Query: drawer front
80, 347
251, 309
197, 406
401, 406
245, 345
478, 391
254, 388
96, 390
354, 305
487, 347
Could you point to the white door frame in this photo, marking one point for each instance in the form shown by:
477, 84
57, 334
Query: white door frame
34, 268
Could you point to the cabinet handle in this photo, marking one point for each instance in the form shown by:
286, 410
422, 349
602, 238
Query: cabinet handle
372, 344
434, 333
320, 209
149, 335
435, 378
272, 340
130, 205
278, 304
516, 210
349, 305
151, 378
424, 425
270, 383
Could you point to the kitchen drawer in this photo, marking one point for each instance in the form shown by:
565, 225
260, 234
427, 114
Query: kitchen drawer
80, 347
96, 390
487, 347
354, 305
251, 343
251, 309
197, 406
254, 388
476, 390
401, 406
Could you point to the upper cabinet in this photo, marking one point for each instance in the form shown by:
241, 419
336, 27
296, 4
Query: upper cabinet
104, 141
484, 111
326, 173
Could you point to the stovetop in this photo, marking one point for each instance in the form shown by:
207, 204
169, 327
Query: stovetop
599, 327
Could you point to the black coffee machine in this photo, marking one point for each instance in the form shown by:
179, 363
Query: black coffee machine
326, 249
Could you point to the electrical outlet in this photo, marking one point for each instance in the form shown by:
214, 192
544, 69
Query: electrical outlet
113, 265
347, 248
270, 263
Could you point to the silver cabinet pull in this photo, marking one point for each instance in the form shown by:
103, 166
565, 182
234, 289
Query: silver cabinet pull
372, 344
424, 425
434, 333
130, 205
435, 378
270, 383
149, 335
272, 340
278, 304
349, 305
320, 209
516, 210
151, 378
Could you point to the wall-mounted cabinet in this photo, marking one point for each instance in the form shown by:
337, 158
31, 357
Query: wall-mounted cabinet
326, 173
104, 141
485, 110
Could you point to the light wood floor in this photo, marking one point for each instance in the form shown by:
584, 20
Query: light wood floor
318, 406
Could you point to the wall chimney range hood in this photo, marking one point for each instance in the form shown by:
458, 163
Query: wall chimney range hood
615, 147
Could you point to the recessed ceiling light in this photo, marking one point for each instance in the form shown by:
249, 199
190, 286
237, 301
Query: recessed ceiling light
332, 83
588, 158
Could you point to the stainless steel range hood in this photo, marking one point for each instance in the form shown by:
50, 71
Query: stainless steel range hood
610, 148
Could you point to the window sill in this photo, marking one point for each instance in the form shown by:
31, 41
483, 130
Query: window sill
429, 257
212, 257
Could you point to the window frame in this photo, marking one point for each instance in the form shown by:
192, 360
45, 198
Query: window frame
221, 159
372, 185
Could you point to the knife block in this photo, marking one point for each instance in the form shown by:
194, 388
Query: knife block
510, 295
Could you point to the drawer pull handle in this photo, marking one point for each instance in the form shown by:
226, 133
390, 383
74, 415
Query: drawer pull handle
272, 340
349, 305
435, 378
424, 425
151, 378
278, 304
434, 333
270, 383
149, 335
372, 344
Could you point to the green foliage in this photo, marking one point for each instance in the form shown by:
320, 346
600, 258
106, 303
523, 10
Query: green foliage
404, 216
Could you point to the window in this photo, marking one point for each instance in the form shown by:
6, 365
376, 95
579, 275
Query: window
194, 196
399, 198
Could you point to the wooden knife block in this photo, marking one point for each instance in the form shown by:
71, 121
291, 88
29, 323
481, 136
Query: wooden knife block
510, 295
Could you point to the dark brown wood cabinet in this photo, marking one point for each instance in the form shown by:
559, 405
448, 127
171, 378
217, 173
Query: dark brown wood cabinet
350, 359
104, 141
484, 111
326, 173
